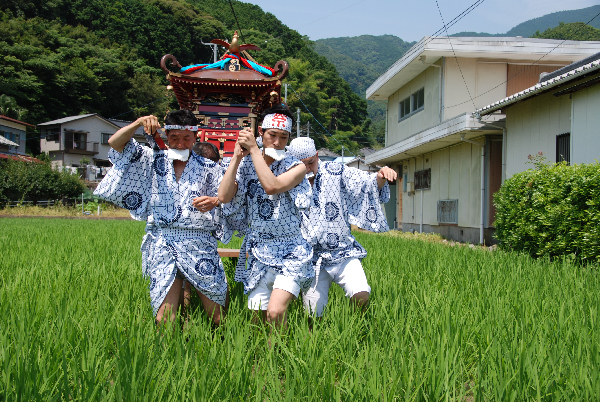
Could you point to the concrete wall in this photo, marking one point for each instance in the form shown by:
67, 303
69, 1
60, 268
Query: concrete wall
585, 126
532, 126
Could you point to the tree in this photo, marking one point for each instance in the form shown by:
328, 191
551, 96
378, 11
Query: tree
570, 31
9, 107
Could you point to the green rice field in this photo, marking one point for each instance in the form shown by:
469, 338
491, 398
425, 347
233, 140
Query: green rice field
444, 323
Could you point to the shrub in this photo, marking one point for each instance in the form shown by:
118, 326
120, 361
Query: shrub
27, 181
551, 210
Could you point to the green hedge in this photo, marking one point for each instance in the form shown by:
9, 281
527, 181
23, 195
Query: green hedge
551, 210
27, 181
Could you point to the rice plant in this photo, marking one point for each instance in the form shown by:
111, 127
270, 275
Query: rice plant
443, 324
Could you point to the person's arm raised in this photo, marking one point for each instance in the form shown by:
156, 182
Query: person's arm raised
270, 183
228, 186
119, 139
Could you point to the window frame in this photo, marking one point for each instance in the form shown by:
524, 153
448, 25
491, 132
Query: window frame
412, 101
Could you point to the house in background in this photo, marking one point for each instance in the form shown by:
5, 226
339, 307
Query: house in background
327, 155
559, 117
13, 136
71, 139
449, 162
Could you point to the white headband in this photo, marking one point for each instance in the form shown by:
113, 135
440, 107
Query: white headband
302, 148
176, 127
277, 120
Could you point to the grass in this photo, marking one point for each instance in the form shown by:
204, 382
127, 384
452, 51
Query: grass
108, 211
443, 323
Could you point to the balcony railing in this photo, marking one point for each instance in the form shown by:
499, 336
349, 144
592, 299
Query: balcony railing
82, 147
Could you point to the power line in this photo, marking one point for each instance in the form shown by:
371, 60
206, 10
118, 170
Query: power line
313, 116
236, 21
523, 70
454, 53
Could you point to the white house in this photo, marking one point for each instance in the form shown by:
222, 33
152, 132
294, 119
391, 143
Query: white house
449, 163
559, 117
71, 139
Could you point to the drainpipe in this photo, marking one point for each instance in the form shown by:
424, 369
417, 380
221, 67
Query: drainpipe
482, 206
422, 169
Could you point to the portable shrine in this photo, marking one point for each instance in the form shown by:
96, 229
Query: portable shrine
227, 95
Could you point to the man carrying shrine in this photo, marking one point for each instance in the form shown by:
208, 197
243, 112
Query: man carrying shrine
171, 190
341, 196
266, 191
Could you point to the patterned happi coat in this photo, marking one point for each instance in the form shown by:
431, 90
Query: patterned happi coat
343, 196
271, 224
178, 236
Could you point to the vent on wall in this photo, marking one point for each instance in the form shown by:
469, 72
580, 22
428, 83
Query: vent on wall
447, 211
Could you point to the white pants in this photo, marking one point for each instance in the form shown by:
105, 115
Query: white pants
349, 274
259, 297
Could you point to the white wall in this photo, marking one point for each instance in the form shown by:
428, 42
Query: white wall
585, 126
532, 126
485, 80
428, 117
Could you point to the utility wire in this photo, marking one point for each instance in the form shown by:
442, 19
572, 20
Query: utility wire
237, 23
313, 116
454, 53
523, 70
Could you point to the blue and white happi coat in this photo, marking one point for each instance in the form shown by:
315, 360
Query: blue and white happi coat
343, 196
271, 224
178, 236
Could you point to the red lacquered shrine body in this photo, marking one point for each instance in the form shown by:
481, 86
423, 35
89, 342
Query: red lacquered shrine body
225, 99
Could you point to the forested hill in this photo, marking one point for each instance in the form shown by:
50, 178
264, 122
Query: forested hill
530, 27
68, 57
361, 59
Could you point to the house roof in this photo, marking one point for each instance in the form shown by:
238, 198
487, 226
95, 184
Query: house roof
445, 134
569, 73
2, 117
430, 49
74, 118
6, 141
123, 123
19, 157
344, 159
327, 152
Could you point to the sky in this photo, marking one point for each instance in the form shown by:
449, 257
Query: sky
409, 21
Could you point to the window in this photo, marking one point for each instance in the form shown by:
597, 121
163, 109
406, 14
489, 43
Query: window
16, 138
75, 140
423, 179
404, 108
418, 100
563, 148
447, 211
53, 134
413, 104
105, 137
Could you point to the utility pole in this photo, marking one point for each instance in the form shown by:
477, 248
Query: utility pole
298, 122
308, 129
342, 154
285, 97
214, 46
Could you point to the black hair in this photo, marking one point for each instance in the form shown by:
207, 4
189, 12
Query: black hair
280, 109
181, 117
207, 150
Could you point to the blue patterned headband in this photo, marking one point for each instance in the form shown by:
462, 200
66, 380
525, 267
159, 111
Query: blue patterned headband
176, 127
